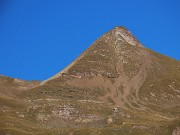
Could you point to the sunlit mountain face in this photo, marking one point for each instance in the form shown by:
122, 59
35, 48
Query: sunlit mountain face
116, 87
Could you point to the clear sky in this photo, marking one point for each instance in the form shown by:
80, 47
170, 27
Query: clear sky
38, 38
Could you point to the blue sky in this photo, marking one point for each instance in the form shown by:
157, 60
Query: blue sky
38, 38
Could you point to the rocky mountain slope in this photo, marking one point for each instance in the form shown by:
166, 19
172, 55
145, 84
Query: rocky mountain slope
116, 86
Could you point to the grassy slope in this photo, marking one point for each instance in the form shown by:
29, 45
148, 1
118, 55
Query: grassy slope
36, 113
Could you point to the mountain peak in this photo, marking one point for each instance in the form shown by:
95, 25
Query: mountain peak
122, 34
115, 87
102, 57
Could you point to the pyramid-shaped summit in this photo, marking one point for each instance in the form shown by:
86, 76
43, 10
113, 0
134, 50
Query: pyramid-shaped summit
115, 61
116, 86
115, 69
105, 54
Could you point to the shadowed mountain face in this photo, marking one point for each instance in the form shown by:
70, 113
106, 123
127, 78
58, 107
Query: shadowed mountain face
116, 86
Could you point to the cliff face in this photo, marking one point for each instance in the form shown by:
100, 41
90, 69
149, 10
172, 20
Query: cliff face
116, 86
